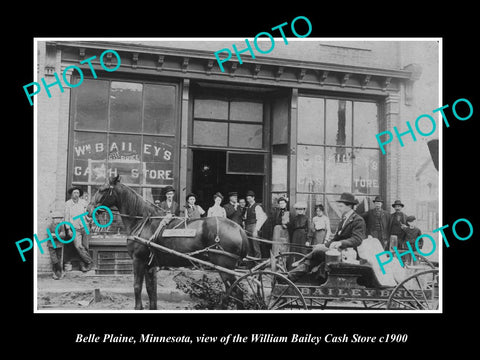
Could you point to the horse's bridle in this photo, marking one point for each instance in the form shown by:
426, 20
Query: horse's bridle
105, 195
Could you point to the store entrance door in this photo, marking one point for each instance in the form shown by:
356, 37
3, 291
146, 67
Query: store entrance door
210, 176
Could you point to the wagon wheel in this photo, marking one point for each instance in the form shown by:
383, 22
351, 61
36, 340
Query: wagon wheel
283, 262
417, 292
264, 290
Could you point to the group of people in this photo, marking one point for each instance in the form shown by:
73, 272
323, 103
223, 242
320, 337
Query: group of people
246, 212
290, 232
352, 229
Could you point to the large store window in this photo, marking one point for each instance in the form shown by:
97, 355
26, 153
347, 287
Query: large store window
228, 123
123, 128
336, 152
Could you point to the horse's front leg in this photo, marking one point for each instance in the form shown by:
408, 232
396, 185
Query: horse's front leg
138, 274
151, 285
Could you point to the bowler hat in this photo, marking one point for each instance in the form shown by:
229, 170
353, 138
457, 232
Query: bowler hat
232, 193
281, 199
75, 188
378, 199
347, 198
250, 193
217, 195
190, 195
397, 202
167, 189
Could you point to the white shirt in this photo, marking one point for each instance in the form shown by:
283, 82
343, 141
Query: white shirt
261, 217
322, 223
73, 209
216, 211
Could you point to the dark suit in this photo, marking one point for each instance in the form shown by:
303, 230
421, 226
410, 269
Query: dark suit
174, 209
350, 235
383, 232
232, 214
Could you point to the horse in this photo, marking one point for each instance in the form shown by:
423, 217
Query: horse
142, 218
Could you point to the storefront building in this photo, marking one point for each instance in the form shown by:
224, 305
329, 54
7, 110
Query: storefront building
280, 126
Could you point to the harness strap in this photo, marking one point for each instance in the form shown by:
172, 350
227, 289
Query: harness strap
217, 238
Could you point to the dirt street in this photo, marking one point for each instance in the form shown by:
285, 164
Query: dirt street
77, 291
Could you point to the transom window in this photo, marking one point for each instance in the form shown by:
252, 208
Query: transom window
228, 123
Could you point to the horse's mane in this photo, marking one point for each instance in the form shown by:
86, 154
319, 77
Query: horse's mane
137, 205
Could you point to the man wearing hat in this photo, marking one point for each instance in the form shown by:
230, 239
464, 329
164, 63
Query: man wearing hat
350, 234
75, 207
192, 210
233, 209
169, 205
255, 218
378, 222
397, 222
411, 234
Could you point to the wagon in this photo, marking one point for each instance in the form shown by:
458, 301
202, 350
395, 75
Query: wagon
265, 285
346, 286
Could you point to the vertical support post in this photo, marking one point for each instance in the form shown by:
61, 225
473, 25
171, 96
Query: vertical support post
184, 140
392, 161
292, 156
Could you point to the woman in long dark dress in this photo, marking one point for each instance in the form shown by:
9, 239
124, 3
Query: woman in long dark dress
299, 228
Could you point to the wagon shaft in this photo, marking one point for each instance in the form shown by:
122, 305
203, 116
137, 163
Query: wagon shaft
188, 257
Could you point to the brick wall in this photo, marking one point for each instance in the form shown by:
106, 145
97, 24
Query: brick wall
52, 135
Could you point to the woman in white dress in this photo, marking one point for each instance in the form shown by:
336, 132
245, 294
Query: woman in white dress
217, 209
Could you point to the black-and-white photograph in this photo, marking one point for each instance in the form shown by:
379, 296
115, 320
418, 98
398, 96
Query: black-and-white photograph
271, 174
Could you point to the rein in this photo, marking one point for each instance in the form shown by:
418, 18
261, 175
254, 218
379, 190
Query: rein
278, 242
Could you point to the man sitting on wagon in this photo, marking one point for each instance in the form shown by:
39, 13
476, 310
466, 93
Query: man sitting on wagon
349, 234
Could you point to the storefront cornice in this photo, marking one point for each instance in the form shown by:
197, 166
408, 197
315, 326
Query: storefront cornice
265, 69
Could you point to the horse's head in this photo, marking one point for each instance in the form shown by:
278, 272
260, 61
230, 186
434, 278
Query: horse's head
105, 196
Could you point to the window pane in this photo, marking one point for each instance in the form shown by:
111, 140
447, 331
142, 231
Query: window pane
338, 170
126, 106
366, 171
365, 116
339, 122
210, 109
331, 207
89, 157
124, 157
159, 111
310, 168
246, 111
245, 163
158, 160
280, 122
310, 120
247, 136
364, 203
91, 108
279, 172
311, 200
210, 133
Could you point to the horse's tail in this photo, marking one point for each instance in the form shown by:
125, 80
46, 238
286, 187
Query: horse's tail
245, 247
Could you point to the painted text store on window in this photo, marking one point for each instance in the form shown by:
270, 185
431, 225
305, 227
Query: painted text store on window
124, 128
337, 152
